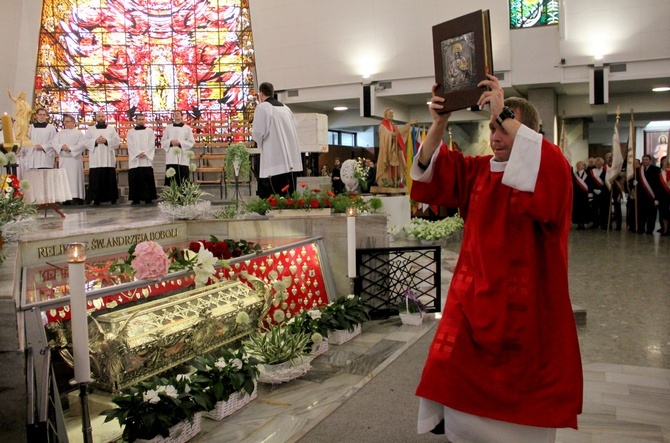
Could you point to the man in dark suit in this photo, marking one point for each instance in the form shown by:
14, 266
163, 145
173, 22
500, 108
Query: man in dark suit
601, 195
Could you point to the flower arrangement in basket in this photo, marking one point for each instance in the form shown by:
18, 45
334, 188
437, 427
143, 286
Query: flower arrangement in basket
280, 352
310, 322
433, 230
182, 201
229, 380
160, 407
344, 317
237, 162
411, 309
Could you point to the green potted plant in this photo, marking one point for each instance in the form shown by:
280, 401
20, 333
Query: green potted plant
237, 162
310, 322
228, 380
344, 318
281, 353
160, 410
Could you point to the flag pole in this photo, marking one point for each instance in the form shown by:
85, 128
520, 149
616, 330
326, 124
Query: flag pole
631, 138
611, 183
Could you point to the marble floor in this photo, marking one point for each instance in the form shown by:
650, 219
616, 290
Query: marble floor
619, 278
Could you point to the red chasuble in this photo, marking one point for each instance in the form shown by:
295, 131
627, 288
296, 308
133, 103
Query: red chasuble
506, 347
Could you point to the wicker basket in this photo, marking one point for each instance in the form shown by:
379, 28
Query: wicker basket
414, 319
319, 349
235, 402
341, 336
283, 372
179, 433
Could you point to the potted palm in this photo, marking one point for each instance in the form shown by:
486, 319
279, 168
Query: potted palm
228, 380
344, 317
160, 410
281, 353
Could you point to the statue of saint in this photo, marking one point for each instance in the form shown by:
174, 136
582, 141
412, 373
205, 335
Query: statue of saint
391, 164
22, 113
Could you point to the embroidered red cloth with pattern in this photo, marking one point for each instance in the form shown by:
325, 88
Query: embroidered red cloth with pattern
506, 347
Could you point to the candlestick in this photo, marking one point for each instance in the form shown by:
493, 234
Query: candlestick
7, 130
76, 255
351, 242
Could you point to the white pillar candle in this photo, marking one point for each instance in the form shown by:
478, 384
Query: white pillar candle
82, 362
351, 242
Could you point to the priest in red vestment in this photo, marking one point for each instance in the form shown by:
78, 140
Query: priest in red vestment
504, 364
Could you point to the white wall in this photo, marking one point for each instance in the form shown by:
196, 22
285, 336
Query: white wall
307, 43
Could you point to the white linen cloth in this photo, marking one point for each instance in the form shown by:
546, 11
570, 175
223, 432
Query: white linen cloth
46, 186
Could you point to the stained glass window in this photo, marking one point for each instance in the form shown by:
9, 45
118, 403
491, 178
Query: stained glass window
153, 56
532, 13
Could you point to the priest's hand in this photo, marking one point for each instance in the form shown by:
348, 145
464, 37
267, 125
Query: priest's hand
494, 96
434, 136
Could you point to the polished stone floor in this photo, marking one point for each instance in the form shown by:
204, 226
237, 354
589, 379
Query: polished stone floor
620, 279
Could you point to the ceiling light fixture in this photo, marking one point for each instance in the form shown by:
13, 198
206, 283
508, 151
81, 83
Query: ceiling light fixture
661, 89
340, 108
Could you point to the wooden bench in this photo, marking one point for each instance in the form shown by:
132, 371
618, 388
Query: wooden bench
210, 170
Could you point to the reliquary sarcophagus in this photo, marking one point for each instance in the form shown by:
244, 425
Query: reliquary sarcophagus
135, 343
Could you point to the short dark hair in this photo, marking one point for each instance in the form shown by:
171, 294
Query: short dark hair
41, 109
267, 89
528, 114
647, 155
66, 116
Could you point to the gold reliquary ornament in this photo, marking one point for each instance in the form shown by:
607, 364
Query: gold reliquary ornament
132, 344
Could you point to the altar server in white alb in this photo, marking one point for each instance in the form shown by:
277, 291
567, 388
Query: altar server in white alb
274, 131
101, 141
41, 155
141, 148
69, 145
177, 141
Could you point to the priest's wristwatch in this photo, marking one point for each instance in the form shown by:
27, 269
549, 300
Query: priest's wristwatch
505, 114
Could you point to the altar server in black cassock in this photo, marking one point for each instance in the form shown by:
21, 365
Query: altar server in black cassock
101, 141
141, 148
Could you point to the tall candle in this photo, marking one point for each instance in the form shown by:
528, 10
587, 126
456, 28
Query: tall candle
351, 242
82, 362
7, 129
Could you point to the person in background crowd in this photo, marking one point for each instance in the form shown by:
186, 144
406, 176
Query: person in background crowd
618, 191
102, 140
371, 177
274, 131
177, 141
581, 209
141, 149
601, 194
336, 178
508, 312
664, 197
648, 182
68, 143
